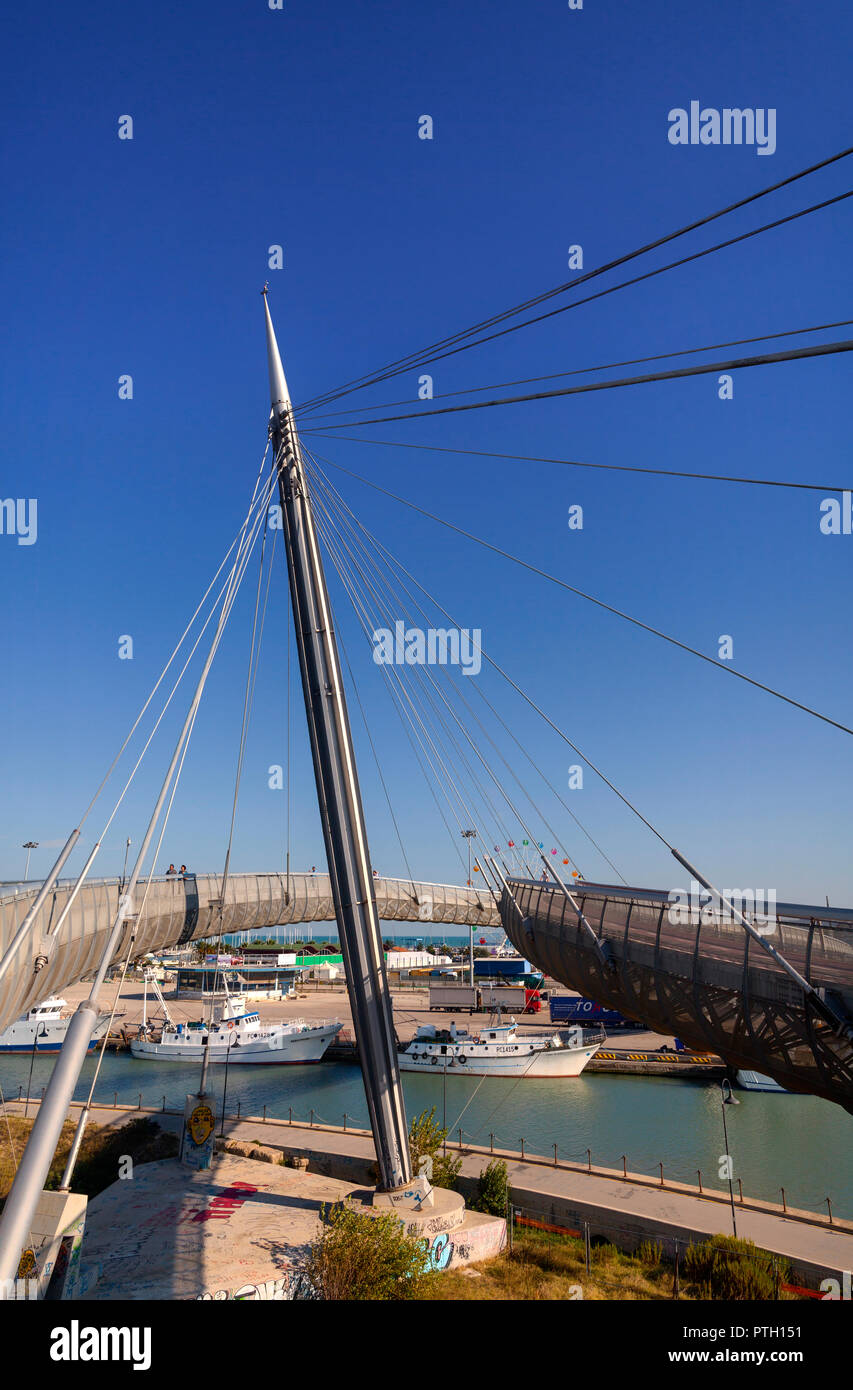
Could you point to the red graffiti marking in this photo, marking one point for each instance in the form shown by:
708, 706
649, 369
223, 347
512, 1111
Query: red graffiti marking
229, 1200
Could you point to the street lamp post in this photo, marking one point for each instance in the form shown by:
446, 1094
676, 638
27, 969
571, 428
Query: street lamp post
470, 835
727, 1098
29, 846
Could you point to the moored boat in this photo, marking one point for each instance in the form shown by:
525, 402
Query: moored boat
238, 1037
44, 1029
499, 1050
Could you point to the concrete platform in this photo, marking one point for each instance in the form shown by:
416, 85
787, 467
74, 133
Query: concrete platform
239, 1230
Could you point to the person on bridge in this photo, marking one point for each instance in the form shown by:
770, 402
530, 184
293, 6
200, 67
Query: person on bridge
171, 870
184, 871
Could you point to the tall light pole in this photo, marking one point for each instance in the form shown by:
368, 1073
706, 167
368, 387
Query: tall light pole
338, 794
727, 1098
29, 846
470, 835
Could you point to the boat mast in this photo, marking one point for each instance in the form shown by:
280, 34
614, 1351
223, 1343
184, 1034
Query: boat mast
341, 811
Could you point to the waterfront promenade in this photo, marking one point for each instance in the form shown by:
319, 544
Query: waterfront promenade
625, 1208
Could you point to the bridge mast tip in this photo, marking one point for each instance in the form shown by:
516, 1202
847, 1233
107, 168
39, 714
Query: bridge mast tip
279, 393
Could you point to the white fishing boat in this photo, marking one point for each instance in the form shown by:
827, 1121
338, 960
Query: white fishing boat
238, 1037
499, 1050
44, 1029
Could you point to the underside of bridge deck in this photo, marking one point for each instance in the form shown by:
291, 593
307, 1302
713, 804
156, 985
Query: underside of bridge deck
705, 980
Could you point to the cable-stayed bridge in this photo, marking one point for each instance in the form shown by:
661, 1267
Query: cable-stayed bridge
779, 1000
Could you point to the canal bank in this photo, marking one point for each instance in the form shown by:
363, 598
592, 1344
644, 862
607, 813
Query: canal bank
625, 1208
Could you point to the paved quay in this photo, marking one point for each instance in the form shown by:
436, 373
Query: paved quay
410, 1006
625, 1209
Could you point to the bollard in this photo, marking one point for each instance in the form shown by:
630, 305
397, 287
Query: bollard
555, 1155
829, 1204
784, 1204
624, 1167
290, 1114
265, 1113
20, 1090
115, 1099
312, 1117
460, 1138
589, 1160
345, 1122
164, 1105
139, 1107
660, 1165
699, 1176
522, 1149
238, 1110
491, 1143
740, 1191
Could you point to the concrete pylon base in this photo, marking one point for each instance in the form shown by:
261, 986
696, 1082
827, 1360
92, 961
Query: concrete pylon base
241, 1230
444, 1212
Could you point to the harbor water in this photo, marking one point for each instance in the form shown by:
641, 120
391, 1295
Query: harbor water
798, 1143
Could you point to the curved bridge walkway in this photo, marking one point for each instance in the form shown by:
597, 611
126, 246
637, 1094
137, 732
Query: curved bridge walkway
176, 911
704, 980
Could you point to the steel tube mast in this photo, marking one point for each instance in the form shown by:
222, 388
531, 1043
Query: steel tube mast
341, 810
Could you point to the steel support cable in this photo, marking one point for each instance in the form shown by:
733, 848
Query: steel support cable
402, 713
766, 359
520, 819
370, 559
182, 747
488, 801
384, 609
248, 702
428, 681
406, 361
83, 874
602, 367
603, 467
580, 593
380, 547
179, 642
471, 818
455, 751
614, 289
413, 713
357, 693
825, 1010
353, 521
172, 779
465, 805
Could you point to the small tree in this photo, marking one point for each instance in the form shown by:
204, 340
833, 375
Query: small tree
367, 1258
426, 1138
492, 1189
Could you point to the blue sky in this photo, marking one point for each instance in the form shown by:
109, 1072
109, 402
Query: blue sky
254, 128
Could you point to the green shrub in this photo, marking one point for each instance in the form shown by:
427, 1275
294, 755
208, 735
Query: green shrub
365, 1258
724, 1267
492, 1190
426, 1137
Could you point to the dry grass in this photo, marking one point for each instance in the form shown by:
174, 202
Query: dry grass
98, 1162
547, 1266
